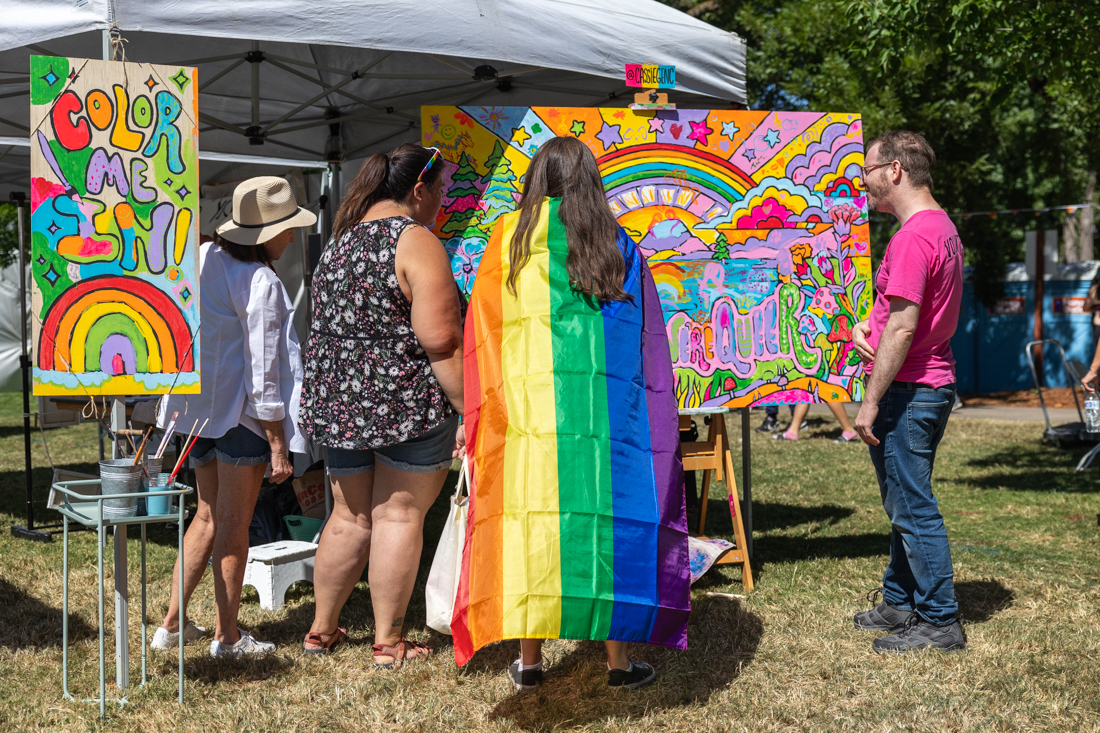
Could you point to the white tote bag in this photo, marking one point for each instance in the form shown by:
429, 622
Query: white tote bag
447, 564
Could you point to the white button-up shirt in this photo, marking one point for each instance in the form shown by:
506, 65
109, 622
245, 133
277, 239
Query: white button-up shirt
249, 357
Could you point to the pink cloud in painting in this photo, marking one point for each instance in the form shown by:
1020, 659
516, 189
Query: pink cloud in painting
769, 215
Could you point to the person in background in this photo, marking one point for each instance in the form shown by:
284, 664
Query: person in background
251, 379
383, 392
798, 421
905, 345
1092, 305
771, 419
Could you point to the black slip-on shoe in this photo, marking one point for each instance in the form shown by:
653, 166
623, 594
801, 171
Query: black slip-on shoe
638, 674
526, 679
919, 634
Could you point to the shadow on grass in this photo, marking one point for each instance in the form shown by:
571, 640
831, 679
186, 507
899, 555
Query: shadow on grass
28, 622
1038, 467
206, 669
980, 600
722, 641
775, 549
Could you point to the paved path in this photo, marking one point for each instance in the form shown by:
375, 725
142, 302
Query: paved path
1058, 416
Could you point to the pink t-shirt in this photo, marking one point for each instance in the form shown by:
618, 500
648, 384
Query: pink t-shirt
923, 263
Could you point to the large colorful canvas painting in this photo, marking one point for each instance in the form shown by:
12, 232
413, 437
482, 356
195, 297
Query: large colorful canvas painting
114, 227
754, 224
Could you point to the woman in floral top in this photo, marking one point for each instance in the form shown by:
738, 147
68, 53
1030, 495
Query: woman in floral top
383, 391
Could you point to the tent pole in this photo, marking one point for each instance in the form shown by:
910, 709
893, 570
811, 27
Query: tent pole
255, 84
28, 532
335, 194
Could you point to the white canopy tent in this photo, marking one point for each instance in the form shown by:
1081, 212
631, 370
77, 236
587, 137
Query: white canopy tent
312, 87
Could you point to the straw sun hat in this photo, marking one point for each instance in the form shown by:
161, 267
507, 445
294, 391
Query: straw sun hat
262, 208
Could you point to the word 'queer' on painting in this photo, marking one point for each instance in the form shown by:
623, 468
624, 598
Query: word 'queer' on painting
114, 227
754, 224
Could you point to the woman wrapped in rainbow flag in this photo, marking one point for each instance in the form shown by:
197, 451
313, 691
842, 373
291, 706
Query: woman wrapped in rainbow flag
577, 527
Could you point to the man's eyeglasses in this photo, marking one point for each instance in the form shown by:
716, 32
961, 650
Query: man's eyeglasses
436, 154
864, 170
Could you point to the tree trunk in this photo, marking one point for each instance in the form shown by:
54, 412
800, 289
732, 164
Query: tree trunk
1086, 223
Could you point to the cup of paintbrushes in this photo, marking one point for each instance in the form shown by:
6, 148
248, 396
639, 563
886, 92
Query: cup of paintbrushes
157, 505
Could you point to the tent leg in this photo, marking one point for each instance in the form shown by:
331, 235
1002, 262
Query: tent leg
28, 532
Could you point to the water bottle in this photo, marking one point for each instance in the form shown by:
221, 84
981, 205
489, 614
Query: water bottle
1092, 413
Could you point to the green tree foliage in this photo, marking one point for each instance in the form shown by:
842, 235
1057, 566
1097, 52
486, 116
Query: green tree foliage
1005, 90
9, 234
465, 194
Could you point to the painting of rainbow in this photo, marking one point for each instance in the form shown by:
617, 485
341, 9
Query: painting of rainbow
114, 227
754, 224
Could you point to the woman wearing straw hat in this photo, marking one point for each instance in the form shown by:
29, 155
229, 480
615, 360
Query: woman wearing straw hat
251, 381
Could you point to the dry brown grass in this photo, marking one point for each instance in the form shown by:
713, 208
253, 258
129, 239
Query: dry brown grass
1024, 531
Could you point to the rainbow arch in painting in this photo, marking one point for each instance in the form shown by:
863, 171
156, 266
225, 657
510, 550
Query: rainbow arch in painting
122, 326
659, 169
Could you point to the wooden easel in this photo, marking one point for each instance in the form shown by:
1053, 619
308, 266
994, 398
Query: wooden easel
713, 455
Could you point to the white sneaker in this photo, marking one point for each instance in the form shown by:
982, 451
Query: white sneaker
165, 639
246, 646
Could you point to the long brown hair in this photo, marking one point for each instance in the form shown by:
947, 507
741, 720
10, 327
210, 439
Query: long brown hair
385, 176
565, 168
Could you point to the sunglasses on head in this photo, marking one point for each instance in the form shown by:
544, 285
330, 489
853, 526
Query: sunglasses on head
436, 155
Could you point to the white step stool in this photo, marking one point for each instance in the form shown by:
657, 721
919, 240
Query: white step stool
274, 567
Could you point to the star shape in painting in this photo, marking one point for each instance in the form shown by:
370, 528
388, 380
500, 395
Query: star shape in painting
750, 154
699, 131
577, 128
729, 129
609, 135
181, 80
656, 124
772, 137
49, 77
73, 76
151, 82
520, 135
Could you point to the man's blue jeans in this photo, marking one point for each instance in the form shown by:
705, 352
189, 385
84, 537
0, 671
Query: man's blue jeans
911, 419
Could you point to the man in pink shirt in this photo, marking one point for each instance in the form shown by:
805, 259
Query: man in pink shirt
905, 345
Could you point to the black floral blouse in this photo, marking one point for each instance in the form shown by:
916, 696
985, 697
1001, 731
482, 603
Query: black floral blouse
368, 382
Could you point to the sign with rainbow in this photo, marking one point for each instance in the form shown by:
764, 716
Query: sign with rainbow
114, 227
754, 224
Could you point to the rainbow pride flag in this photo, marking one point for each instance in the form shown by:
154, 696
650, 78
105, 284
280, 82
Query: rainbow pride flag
576, 526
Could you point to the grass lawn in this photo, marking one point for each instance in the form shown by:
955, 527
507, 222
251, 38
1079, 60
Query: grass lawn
1024, 535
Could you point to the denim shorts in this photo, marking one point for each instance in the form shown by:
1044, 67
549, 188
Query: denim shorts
239, 447
426, 453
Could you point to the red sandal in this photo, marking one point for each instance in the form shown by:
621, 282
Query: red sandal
400, 652
316, 643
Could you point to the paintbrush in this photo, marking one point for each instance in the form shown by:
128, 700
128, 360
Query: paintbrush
187, 450
167, 434
137, 456
130, 424
188, 444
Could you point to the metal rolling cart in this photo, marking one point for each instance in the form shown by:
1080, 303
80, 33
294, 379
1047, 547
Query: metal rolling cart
87, 510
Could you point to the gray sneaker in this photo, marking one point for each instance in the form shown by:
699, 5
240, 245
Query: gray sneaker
919, 634
882, 617
246, 646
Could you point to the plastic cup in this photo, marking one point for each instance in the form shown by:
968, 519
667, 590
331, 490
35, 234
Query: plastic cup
157, 505
152, 468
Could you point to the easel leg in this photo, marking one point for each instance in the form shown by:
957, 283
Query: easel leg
738, 527
704, 497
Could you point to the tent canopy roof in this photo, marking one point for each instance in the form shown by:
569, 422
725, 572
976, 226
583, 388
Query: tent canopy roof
340, 79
